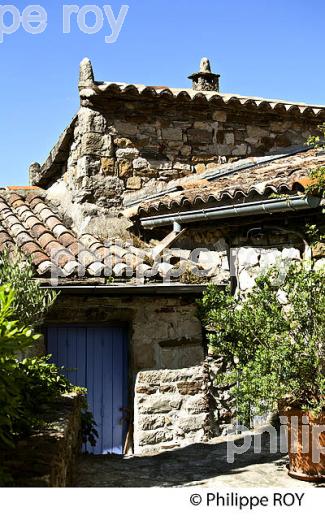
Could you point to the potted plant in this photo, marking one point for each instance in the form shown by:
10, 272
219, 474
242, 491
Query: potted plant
272, 341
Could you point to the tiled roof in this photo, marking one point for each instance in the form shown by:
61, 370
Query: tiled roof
243, 179
189, 94
29, 223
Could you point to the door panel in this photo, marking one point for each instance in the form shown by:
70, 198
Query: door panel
96, 358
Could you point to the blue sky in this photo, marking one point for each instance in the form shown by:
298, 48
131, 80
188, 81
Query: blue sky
267, 48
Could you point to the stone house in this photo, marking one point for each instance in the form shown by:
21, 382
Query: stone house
150, 194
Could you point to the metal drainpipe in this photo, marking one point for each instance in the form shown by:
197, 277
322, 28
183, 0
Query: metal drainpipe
177, 227
268, 206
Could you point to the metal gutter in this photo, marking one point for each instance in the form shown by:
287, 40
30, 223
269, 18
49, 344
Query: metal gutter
125, 289
269, 206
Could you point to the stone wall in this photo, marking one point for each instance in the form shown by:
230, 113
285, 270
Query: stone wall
251, 262
47, 458
171, 409
164, 332
120, 145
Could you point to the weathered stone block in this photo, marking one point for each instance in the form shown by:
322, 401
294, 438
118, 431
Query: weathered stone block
318, 250
256, 131
209, 260
182, 166
319, 264
186, 150
172, 134
144, 389
269, 258
140, 164
123, 142
167, 389
291, 253
196, 136
192, 423
246, 281
125, 168
134, 183
160, 404
155, 437
108, 165
189, 388
196, 404
247, 257
91, 121
200, 168
240, 149
107, 146
126, 129
127, 153
229, 138
91, 143
202, 125
87, 167
149, 422
170, 376
223, 149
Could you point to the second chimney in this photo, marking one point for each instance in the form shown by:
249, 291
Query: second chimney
205, 79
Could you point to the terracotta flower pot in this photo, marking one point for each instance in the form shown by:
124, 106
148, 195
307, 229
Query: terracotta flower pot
306, 442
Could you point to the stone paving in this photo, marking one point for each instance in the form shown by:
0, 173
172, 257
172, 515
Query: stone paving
195, 465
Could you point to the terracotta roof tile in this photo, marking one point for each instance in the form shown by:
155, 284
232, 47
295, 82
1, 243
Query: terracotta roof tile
220, 98
67, 239
288, 174
31, 247
29, 223
38, 257
22, 188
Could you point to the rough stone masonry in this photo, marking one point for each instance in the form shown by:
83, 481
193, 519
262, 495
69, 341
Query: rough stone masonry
127, 141
129, 137
171, 409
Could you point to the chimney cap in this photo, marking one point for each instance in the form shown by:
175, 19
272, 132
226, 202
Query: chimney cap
205, 79
205, 65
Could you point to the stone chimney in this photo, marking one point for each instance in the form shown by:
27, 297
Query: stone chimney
205, 79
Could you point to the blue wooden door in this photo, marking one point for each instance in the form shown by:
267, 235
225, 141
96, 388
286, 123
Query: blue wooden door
96, 358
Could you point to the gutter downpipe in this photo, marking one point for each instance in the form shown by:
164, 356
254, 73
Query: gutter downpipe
268, 206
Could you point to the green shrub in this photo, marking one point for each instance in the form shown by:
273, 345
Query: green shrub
32, 386
31, 303
13, 337
272, 340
